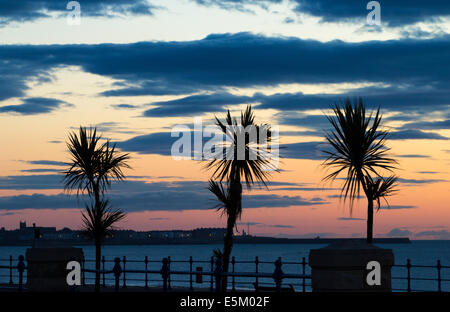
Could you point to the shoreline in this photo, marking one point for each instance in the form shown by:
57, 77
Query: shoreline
244, 241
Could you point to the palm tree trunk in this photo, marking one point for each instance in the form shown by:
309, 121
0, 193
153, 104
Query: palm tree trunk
236, 193
370, 221
98, 244
227, 248
98, 256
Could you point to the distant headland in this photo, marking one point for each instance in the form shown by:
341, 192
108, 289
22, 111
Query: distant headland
30, 235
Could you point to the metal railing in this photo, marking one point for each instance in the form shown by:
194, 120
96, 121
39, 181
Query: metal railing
164, 275
436, 277
20, 268
213, 276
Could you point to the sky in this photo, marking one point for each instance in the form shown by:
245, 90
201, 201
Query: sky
135, 69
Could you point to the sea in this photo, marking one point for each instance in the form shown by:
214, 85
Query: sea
421, 253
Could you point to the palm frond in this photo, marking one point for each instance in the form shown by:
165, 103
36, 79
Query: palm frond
356, 147
93, 165
99, 219
227, 202
256, 165
381, 188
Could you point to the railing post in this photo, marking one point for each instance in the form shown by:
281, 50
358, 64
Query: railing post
83, 265
124, 272
218, 274
211, 270
278, 274
408, 266
233, 262
256, 270
191, 262
439, 275
169, 278
10, 270
103, 265
117, 270
165, 273
146, 269
21, 268
304, 273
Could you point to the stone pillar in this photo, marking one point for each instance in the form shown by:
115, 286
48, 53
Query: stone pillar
342, 267
46, 267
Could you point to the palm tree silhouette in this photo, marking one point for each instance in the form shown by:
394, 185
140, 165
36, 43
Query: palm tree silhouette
229, 207
92, 168
245, 157
358, 150
380, 188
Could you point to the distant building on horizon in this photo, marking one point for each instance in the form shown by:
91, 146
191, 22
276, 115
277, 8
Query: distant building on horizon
26, 234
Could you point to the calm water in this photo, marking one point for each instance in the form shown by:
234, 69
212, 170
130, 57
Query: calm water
420, 253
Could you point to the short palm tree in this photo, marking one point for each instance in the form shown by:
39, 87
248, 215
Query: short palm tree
99, 220
92, 168
253, 166
381, 188
230, 208
358, 150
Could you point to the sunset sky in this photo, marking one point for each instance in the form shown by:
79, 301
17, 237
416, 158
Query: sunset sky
134, 69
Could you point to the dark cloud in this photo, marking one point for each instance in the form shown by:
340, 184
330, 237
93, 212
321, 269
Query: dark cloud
281, 226
394, 99
47, 162
34, 182
195, 104
306, 189
34, 106
443, 234
301, 133
422, 181
350, 219
394, 13
397, 207
133, 196
161, 143
37, 170
124, 106
413, 156
29, 10
413, 67
399, 232
239, 5
339, 196
416, 135
154, 87
154, 143
259, 224
9, 213
428, 125
389, 99
112, 127
303, 150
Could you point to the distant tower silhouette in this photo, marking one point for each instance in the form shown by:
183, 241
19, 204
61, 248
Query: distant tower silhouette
23, 225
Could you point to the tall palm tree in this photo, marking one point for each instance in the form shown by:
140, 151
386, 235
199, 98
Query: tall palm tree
246, 157
358, 150
92, 168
